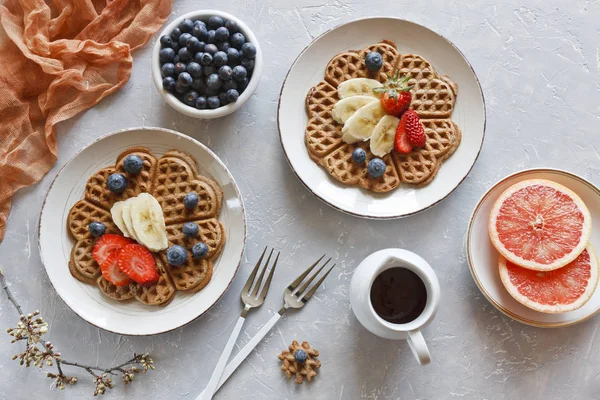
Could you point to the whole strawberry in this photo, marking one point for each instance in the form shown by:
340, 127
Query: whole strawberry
414, 129
395, 94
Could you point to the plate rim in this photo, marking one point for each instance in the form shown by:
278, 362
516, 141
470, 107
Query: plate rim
176, 133
484, 197
356, 214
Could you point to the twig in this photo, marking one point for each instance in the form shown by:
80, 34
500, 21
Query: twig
31, 327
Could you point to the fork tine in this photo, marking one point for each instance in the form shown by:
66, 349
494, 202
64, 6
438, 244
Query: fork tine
262, 275
313, 276
248, 284
265, 289
308, 295
299, 279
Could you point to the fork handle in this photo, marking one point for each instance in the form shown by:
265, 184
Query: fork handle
213, 386
243, 354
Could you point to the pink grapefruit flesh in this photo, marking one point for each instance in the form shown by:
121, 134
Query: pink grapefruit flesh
562, 290
539, 225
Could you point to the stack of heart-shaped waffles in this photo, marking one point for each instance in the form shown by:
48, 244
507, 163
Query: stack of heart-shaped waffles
168, 179
433, 98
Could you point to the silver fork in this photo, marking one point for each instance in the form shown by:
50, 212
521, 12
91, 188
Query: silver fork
251, 297
294, 296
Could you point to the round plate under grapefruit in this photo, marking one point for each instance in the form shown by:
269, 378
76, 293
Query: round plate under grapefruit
540, 225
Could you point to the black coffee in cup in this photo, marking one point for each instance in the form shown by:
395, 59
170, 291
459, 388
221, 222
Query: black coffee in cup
398, 295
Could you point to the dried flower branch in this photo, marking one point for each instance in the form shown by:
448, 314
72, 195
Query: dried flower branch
40, 353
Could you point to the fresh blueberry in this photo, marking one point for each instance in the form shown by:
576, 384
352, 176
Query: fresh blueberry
179, 68
300, 356
223, 46
209, 70
185, 79
176, 255
230, 84
199, 85
232, 95
213, 102
213, 82
231, 25
190, 201
201, 103
179, 88
376, 167
167, 69
116, 183
206, 59
190, 98
186, 25
249, 50
211, 37
185, 55
225, 73
223, 98
133, 164
239, 73
175, 34
215, 22
373, 61
176, 47
237, 40
166, 41
169, 83
97, 229
200, 31
190, 229
194, 69
184, 38
248, 64
233, 56
166, 55
200, 250
221, 34
210, 49
194, 45
243, 85
198, 57
176, 59
220, 58
359, 155
199, 22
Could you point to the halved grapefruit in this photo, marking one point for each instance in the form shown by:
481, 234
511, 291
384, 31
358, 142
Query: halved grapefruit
562, 290
540, 225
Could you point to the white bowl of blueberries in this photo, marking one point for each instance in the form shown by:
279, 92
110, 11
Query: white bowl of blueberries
206, 64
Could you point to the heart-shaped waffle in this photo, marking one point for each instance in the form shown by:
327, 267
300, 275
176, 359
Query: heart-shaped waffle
168, 179
433, 99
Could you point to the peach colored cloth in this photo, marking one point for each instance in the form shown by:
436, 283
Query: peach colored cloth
58, 58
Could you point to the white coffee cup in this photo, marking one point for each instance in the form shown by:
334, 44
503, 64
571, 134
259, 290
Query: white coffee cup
360, 298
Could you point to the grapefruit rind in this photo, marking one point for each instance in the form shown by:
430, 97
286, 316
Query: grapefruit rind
586, 231
552, 309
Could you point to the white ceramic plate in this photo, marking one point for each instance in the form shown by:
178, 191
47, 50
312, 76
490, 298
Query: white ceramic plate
309, 68
483, 257
134, 318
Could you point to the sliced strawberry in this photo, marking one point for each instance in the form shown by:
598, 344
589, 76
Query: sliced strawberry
137, 262
414, 129
111, 271
401, 142
106, 245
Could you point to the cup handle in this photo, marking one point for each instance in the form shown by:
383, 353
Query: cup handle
417, 344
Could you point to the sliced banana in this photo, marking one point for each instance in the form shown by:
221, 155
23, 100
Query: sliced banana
359, 127
126, 216
382, 139
149, 222
358, 86
117, 217
343, 109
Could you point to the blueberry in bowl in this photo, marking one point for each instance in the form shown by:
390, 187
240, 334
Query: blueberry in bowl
206, 64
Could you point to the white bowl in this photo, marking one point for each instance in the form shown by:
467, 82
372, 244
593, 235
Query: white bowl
207, 113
